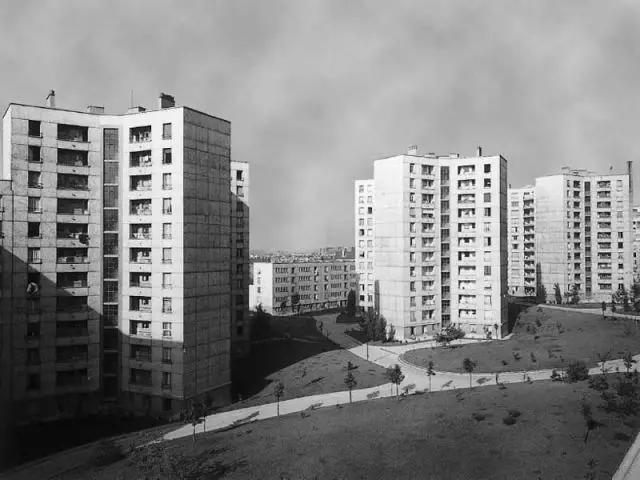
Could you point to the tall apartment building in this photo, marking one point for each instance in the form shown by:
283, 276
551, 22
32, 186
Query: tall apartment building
440, 243
522, 263
584, 233
240, 274
636, 242
115, 259
365, 237
319, 285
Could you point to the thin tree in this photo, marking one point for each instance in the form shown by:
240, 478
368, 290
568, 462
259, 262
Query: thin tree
604, 308
395, 376
350, 380
557, 293
628, 361
604, 358
469, 365
430, 372
278, 391
195, 417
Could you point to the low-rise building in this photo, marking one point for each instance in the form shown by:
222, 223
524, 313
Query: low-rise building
318, 285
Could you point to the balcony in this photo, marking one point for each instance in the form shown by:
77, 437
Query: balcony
73, 259
140, 134
140, 183
72, 332
141, 381
140, 159
73, 158
140, 207
72, 182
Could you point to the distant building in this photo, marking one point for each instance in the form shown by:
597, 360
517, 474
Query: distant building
115, 260
319, 285
636, 243
364, 246
583, 233
438, 243
522, 260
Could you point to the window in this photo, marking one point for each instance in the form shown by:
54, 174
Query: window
487, 270
140, 134
412, 183
487, 183
239, 175
166, 379
487, 168
487, 212
166, 280
33, 255
166, 231
166, 308
33, 381
487, 197
166, 181
240, 191
34, 128
412, 167
487, 241
166, 206
166, 131
166, 156
487, 227
166, 351
33, 153
166, 255
34, 180
33, 230
73, 133
34, 205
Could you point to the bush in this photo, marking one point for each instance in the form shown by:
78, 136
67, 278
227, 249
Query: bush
555, 376
577, 371
478, 416
599, 383
105, 453
621, 436
514, 413
508, 420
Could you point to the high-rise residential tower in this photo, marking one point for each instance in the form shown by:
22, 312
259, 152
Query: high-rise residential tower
583, 233
115, 259
522, 264
440, 243
365, 237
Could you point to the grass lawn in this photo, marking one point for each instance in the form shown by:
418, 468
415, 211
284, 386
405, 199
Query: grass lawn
307, 364
562, 337
445, 435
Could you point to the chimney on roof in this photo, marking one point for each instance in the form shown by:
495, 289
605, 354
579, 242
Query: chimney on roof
51, 99
136, 110
166, 101
95, 109
479, 152
412, 150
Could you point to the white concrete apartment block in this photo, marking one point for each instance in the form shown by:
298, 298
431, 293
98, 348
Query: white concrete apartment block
441, 243
584, 233
522, 263
364, 242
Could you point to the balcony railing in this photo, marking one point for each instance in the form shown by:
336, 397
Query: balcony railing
141, 332
141, 382
141, 236
74, 284
141, 284
73, 358
140, 260
141, 210
141, 357
73, 259
72, 332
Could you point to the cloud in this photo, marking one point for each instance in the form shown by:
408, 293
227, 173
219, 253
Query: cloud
317, 90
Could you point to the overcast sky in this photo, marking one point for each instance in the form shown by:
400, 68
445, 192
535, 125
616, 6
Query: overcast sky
317, 90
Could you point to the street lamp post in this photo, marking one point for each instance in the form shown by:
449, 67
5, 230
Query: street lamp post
367, 350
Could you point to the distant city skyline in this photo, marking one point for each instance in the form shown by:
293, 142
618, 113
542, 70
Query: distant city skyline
316, 90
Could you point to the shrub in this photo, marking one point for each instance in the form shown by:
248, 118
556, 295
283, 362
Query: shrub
555, 376
478, 417
621, 436
598, 383
508, 420
514, 413
105, 453
504, 362
516, 355
577, 371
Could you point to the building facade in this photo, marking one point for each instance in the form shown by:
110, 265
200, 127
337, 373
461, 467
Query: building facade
522, 262
240, 274
116, 259
364, 246
636, 242
440, 243
319, 285
583, 229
